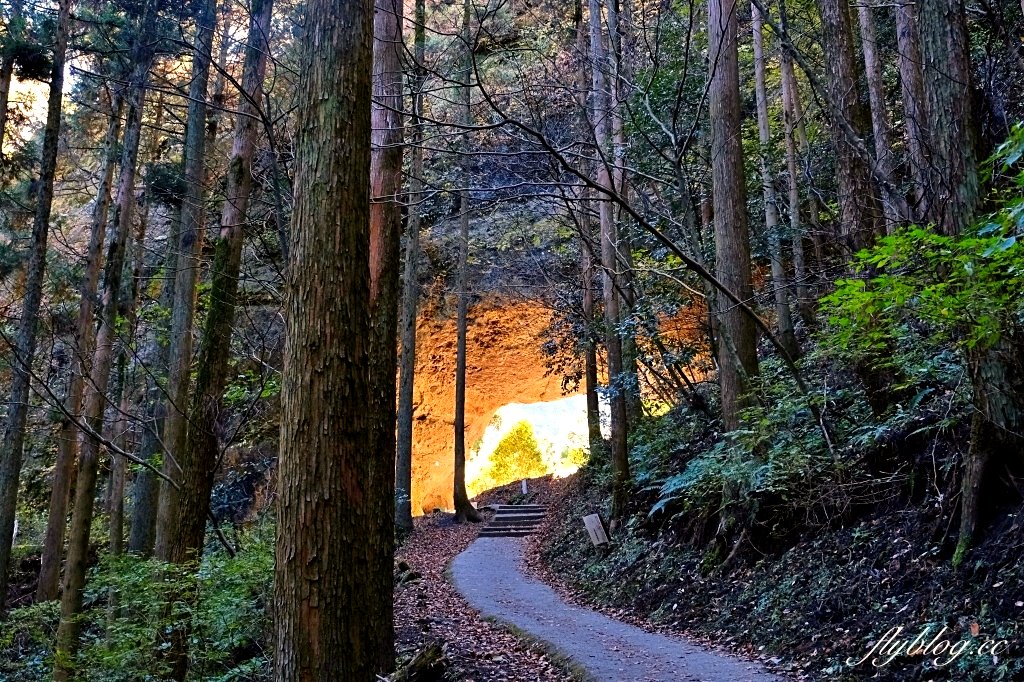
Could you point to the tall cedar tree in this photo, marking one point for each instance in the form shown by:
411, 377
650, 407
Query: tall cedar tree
385, 245
411, 292
13, 445
599, 104
333, 580
464, 509
103, 355
190, 243
67, 446
737, 350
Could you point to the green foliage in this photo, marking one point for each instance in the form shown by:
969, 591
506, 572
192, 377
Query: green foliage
249, 386
517, 456
132, 603
962, 290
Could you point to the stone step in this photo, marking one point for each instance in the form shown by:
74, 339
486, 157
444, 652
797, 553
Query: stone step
502, 533
519, 517
518, 507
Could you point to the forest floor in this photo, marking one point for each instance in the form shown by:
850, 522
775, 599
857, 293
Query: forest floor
428, 609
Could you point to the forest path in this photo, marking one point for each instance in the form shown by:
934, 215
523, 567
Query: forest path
489, 575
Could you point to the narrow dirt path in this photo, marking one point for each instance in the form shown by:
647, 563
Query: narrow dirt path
489, 575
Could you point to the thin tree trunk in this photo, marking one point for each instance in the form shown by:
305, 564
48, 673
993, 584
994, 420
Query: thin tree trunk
464, 509
12, 448
67, 445
737, 354
879, 115
587, 269
800, 270
912, 89
146, 486
771, 209
193, 228
146, 489
618, 13
6, 72
600, 110
333, 575
861, 218
410, 294
800, 128
95, 398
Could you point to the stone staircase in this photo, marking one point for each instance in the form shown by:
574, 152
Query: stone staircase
514, 520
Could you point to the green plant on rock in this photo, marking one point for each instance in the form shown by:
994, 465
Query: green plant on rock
516, 456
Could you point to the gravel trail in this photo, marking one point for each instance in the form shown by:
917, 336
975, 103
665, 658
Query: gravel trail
489, 575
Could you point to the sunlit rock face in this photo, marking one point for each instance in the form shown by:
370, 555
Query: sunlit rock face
530, 440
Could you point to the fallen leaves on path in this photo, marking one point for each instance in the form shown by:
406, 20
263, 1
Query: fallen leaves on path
428, 609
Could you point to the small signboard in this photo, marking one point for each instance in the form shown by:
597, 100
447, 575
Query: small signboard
595, 526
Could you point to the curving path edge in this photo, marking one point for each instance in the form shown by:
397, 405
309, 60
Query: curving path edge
489, 575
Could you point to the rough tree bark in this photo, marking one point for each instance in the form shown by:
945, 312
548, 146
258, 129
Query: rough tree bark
879, 114
13, 445
780, 284
384, 185
600, 105
464, 509
67, 445
99, 376
333, 575
737, 352
951, 177
411, 292
861, 218
193, 228
912, 90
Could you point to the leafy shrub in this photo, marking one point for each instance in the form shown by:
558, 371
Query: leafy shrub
131, 605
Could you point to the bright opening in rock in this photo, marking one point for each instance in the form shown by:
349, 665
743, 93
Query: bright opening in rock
528, 441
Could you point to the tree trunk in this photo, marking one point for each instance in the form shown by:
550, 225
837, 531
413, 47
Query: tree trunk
600, 104
912, 89
800, 271
464, 509
193, 229
333, 575
619, 13
12, 448
201, 453
587, 269
879, 115
6, 72
861, 219
800, 128
146, 486
67, 445
95, 398
997, 422
771, 209
951, 186
146, 489
737, 353
411, 292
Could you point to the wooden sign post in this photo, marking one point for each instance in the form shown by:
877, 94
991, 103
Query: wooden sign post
595, 527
